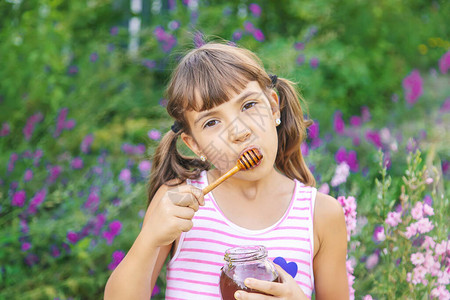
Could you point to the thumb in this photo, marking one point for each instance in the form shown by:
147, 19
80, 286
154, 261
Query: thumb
285, 276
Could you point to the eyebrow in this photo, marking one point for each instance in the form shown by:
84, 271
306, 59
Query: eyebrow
240, 99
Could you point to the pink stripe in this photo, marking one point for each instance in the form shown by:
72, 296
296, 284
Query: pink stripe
209, 241
206, 208
196, 181
192, 292
207, 262
289, 248
193, 281
293, 227
303, 273
209, 219
299, 218
301, 208
194, 271
173, 298
303, 199
305, 285
201, 251
247, 237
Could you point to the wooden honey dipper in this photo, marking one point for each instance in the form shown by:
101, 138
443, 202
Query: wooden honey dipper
248, 160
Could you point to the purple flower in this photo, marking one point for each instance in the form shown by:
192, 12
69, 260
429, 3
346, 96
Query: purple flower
125, 176
114, 30
299, 46
314, 62
198, 39
31, 259
156, 290
372, 261
255, 9
300, 59
249, 27
355, 121
18, 198
12, 159
378, 234
37, 200
339, 125
150, 64
341, 155
24, 226
237, 35
92, 201
61, 122
93, 57
365, 114
55, 251
444, 63
445, 108
77, 163
144, 167
374, 137
5, 129
55, 171
304, 149
72, 237
394, 98
26, 246
352, 161
314, 130
114, 227
86, 143
173, 25
258, 35
412, 86
72, 70
117, 257
31, 122
154, 134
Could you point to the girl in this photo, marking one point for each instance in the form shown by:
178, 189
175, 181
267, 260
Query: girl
223, 103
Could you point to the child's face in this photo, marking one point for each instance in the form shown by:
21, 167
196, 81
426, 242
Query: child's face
247, 119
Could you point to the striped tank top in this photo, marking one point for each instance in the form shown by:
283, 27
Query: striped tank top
194, 270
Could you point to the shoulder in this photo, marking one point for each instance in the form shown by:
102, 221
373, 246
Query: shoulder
328, 215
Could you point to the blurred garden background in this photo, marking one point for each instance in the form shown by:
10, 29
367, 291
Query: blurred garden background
82, 109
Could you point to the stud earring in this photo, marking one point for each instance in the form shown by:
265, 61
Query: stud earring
203, 158
278, 122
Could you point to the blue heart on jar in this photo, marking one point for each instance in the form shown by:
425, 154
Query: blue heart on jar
291, 268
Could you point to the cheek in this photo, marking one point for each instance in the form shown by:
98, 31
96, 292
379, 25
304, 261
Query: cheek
217, 153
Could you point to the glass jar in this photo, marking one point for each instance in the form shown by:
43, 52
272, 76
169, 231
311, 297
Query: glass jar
244, 262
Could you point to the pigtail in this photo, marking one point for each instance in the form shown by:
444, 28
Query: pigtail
169, 164
291, 133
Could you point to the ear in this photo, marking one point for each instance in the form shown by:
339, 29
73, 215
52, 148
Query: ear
191, 143
275, 104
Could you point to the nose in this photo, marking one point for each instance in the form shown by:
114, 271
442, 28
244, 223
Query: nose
239, 134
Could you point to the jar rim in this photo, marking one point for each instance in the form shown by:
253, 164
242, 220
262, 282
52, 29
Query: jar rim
245, 253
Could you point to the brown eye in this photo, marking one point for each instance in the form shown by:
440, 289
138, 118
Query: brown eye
249, 105
210, 123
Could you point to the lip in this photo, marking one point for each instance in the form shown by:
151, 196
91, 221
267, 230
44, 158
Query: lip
252, 147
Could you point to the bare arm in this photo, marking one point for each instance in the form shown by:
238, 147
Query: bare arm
169, 214
330, 271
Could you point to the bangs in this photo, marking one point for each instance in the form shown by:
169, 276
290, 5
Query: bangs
207, 78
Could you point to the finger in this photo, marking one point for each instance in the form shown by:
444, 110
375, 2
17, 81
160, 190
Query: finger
268, 287
184, 225
198, 194
183, 197
285, 276
241, 295
186, 213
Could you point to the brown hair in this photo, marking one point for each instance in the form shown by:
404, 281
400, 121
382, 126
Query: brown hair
213, 73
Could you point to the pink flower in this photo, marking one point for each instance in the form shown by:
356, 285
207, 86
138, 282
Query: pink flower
367, 297
419, 275
339, 125
26, 246
54, 173
144, 167
114, 227
18, 198
349, 206
372, 261
341, 174
393, 218
324, 188
156, 290
412, 86
154, 134
77, 163
125, 176
442, 247
428, 242
424, 225
258, 35
411, 230
440, 292
255, 9
417, 211
72, 237
28, 175
86, 143
417, 258
314, 62
444, 63
365, 114
378, 234
355, 121
92, 201
444, 108
304, 148
117, 257
248, 26
36, 201
428, 210
374, 137
5, 129
29, 127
